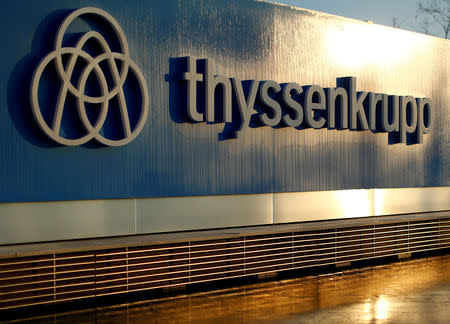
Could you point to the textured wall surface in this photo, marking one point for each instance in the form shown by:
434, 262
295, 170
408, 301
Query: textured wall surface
246, 40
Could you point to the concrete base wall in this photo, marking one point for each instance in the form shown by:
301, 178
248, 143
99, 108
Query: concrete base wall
65, 220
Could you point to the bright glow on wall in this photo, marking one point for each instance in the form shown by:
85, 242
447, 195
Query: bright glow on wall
356, 203
353, 46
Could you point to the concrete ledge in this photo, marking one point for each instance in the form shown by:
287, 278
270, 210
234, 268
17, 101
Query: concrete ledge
30, 249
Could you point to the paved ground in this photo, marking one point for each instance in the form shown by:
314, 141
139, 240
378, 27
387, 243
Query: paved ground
412, 291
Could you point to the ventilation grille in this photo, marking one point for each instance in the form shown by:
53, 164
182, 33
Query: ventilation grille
64, 277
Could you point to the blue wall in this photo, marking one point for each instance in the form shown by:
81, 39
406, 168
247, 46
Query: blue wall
247, 40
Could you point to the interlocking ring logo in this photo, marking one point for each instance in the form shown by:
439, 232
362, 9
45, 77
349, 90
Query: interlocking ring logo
91, 65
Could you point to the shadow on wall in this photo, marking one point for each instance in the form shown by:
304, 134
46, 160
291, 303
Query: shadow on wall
99, 82
19, 83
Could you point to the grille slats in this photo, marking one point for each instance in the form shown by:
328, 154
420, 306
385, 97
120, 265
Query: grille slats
63, 277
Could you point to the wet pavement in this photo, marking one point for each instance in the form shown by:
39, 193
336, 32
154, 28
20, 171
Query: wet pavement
412, 291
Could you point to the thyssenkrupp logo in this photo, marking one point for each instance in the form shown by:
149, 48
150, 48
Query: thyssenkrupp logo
66, 60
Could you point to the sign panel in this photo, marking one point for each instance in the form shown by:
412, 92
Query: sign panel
192, 98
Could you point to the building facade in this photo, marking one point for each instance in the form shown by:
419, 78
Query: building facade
123, 119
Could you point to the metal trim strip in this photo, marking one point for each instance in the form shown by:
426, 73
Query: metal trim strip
66, 220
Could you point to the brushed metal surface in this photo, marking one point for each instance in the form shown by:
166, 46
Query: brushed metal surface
187, 213
65, 220
51, 221
322, 205
410, 200
246, 40
267, 174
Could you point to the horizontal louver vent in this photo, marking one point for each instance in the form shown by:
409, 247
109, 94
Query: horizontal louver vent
63, 277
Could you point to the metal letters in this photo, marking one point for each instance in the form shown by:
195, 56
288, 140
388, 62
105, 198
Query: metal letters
311, 106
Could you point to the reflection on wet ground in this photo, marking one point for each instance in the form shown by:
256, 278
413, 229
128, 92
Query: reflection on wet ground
413, 291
